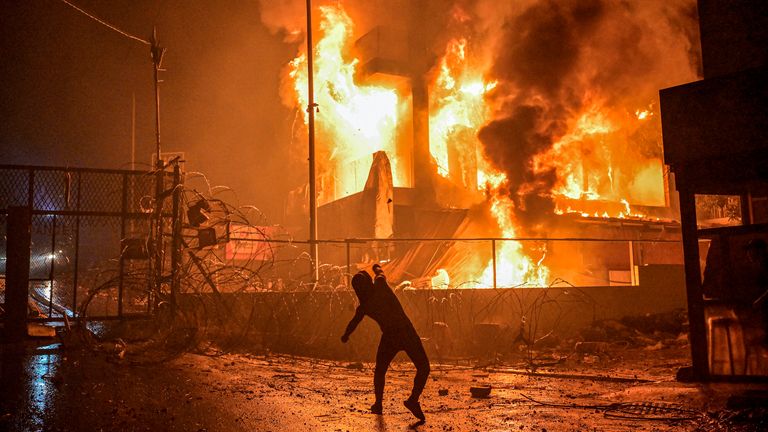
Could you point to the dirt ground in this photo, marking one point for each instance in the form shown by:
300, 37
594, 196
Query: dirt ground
47, 388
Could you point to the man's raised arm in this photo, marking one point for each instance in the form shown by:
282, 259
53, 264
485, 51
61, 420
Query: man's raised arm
359, 314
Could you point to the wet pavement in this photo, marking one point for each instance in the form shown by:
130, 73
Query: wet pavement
47, 388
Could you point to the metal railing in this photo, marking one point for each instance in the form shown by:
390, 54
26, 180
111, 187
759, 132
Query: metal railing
619, 255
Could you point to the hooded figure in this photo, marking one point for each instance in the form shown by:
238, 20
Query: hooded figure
363, 286
397, 334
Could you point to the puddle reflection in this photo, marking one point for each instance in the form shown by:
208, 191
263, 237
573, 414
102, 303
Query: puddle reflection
28, 380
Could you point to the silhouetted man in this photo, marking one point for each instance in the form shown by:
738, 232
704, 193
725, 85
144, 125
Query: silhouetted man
397, 334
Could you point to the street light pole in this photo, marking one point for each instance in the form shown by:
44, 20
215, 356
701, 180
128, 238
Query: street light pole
157, 53
311, 106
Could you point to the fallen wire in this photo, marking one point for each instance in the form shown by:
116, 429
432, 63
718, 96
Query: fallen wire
631, 410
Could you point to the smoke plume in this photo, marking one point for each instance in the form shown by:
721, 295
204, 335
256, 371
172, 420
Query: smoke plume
560, 67
555, 59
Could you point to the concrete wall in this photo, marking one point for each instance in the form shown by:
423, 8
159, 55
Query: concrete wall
454, 323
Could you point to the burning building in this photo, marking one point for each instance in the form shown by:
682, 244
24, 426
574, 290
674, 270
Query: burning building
473, 120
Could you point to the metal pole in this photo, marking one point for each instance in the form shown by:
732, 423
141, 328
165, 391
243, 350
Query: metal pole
311, 111
19, 240
52, 270
632, 275
158, 251
176, 232
121, 266
697, 326
493, 248
77, 249
157, 58
133, 127
349, 270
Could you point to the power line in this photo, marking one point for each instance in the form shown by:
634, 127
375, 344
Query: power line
106, 24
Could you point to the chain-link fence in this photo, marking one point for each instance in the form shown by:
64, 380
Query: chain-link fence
89, 227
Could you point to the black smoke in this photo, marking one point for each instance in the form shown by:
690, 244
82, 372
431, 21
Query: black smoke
538, 55
554, 58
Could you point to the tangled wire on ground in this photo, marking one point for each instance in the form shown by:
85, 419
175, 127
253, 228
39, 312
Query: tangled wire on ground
227, 251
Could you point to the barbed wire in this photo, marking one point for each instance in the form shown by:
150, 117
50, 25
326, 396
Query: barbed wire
252, 290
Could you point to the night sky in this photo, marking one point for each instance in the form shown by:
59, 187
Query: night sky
68, 81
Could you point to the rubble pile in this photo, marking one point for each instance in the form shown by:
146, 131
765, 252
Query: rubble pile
652, 331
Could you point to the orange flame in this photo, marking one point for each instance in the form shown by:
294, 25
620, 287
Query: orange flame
458, 110
514, 268
591, 163
353, 120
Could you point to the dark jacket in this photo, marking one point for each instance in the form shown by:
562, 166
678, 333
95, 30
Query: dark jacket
379, 302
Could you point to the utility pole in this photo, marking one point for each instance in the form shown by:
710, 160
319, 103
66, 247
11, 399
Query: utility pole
311, 106
157, 53
133, 131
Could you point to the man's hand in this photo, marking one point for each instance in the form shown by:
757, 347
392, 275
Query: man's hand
344, 338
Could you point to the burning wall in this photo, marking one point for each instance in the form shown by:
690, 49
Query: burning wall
535, 108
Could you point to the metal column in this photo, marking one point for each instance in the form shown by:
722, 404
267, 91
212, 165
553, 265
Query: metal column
19, 235
697, 327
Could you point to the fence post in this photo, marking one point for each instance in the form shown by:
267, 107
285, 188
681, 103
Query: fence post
52, 269
77, 250
493, 248
121, 276
349, 270
157, 242
633, 279
176, 239
19, 240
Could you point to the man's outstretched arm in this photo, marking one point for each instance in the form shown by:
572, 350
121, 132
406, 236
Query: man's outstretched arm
353, 324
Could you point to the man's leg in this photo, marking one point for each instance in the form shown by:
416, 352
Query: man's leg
415, 350
386, 352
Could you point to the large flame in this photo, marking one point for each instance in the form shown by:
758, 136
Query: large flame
597, 166
458, 109
353, 120
594, 163
514, 267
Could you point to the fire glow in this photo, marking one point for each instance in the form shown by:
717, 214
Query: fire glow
597, 170
359, 120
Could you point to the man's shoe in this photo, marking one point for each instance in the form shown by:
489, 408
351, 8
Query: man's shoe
415, 408
376, 408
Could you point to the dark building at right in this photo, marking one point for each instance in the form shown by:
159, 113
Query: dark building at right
716, 144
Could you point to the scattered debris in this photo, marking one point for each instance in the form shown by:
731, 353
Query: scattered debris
480, 392
591, 347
